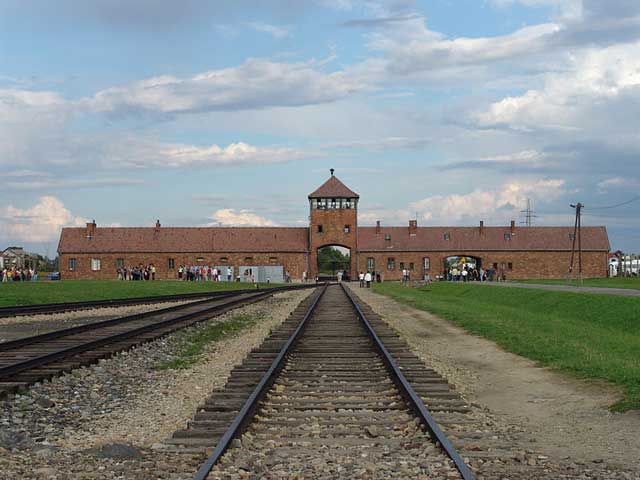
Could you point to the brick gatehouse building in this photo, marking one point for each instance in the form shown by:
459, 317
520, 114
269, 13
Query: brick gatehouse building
518, 252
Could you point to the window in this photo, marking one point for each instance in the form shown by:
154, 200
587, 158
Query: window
401, 265
273, 260
371, 264
319, 228
95, 264
507, 236
495, 266
200, 259
572, 236
119, 262
248, 259
510, 266
391, 263
387, 237
171, 264
411, 266
334, 204
447, 236
224, 260
72, 264
426, 263
347, 229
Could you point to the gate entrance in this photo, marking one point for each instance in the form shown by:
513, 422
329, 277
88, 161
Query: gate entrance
456, 264
334, 261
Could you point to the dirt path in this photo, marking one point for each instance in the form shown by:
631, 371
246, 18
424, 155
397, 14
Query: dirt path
564, 417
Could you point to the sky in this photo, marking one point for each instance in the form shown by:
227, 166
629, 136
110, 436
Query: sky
232, 112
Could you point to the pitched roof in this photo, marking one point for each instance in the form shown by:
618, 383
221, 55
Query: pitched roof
184, 239
333, 188
465, 239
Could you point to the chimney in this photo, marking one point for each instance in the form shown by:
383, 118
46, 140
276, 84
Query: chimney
481, 227
378, 227
158, 223
513, 227
413, 227
91, 229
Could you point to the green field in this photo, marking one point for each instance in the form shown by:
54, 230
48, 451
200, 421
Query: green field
32, 293
589, 336
616, 282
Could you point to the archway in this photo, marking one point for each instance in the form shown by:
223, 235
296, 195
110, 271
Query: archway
334, 261
454, 265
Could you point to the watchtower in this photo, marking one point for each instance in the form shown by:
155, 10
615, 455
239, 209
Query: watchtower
333, 221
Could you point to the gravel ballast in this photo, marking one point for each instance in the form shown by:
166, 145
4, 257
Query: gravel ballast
541, 419
108, 420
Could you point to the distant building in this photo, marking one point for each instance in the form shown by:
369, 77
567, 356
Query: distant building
516, 252
17, 257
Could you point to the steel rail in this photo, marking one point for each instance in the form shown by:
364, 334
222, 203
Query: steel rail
18, 367
67, 306
408, 392
250, 406
21, 342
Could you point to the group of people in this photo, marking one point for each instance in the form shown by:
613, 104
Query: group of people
471, 273
200, 273
139, 272
365, 279
19, 275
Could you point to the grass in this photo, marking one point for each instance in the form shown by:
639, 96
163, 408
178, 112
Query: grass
615, 282
194, 343
33, 293
588, 336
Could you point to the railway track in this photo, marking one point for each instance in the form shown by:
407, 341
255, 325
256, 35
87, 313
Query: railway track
325, 397
32, 359
47, 308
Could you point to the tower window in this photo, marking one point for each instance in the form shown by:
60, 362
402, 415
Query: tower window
319, 228
347, 229
387, 237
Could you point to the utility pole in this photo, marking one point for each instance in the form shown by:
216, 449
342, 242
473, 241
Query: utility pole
577, 230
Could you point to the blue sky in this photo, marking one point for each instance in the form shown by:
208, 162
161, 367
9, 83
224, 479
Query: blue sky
208, 113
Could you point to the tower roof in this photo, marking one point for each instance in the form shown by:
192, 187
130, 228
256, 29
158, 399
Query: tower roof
333, 188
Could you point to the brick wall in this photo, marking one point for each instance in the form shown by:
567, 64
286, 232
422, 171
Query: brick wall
523, 264
294, 263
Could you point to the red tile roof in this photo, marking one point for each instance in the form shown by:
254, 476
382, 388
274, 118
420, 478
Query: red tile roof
185, 239
470, 239
333, 188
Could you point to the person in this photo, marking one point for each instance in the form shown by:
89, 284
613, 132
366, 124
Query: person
464, 274
229, 274
340, 276
304, 276
367, 279
404, 275
361, 278
153, 272
481, 274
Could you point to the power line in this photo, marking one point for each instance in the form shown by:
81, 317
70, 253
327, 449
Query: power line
634, 199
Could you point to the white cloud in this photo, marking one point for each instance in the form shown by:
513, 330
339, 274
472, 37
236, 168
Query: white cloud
239, 218
40, 223
255, 84
273, 30
501, 204
568, 100
617, 183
